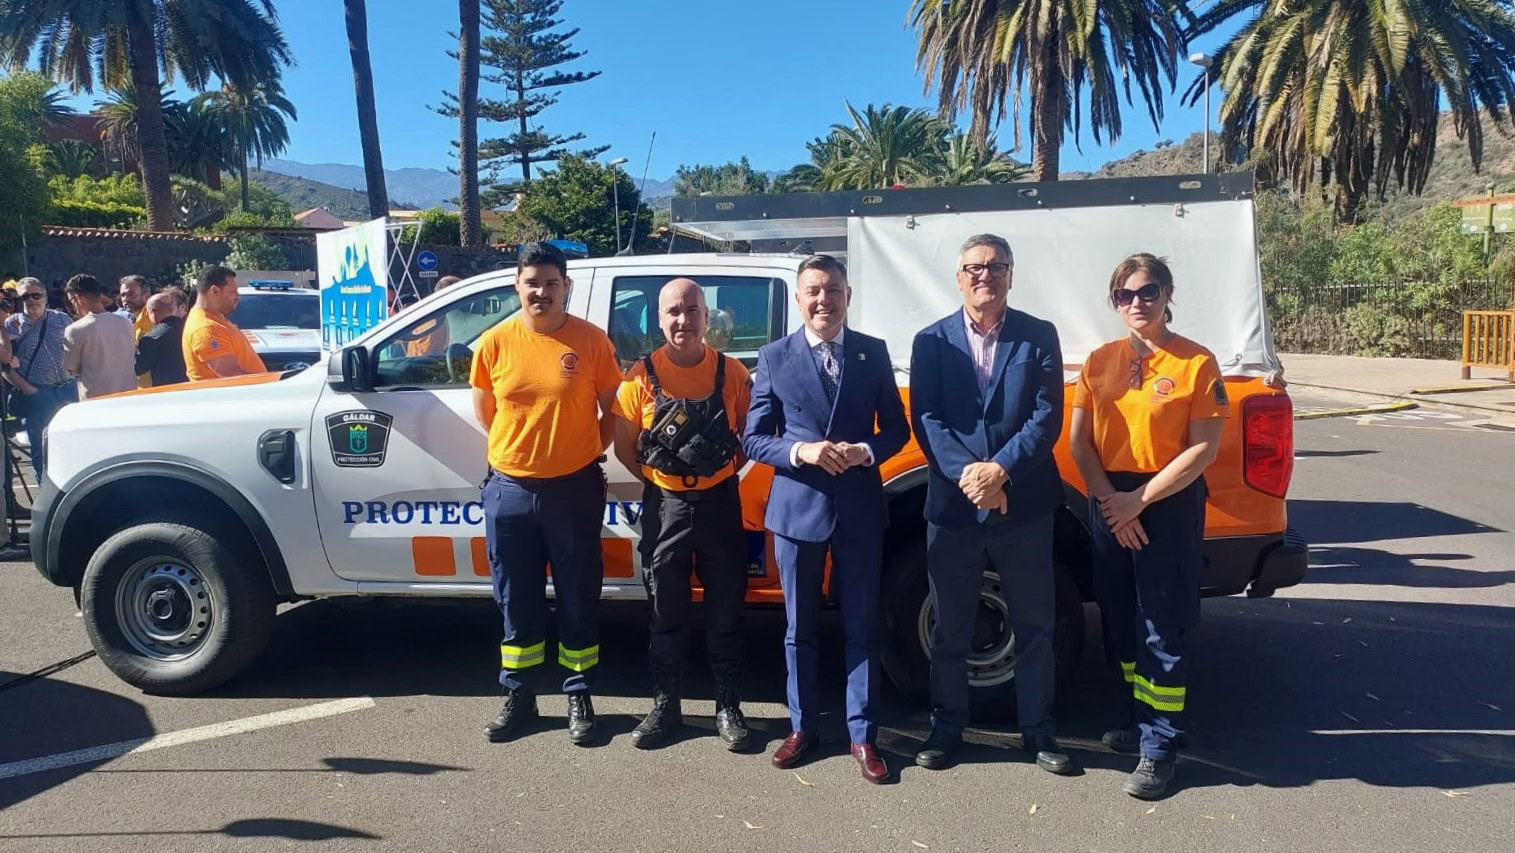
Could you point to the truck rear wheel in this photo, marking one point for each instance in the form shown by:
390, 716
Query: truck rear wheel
909, 615
171, 609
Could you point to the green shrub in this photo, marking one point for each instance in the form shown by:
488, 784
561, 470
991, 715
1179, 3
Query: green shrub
255, 252
111, 189
95, 214
438, 228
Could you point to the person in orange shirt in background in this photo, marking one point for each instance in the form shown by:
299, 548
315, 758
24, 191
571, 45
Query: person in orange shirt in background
544, 382
1147, 416
213, 346
433, 339
678, 415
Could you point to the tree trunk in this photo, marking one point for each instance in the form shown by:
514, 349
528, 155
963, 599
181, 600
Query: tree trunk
368, 119
1049, 109
152, 139
246, 202
525, 153
213, 176
472, 233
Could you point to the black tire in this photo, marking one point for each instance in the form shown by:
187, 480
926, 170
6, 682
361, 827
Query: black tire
185, 573
906, 593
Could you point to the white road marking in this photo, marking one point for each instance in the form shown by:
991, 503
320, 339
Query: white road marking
183, 736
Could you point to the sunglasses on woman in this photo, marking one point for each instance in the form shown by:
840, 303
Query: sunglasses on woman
1148, 293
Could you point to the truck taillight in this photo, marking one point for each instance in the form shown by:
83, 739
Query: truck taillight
1267, 434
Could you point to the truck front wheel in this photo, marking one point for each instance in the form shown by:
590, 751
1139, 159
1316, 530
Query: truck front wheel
171, 609
909, 615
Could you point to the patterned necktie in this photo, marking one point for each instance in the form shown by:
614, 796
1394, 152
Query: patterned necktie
830, 371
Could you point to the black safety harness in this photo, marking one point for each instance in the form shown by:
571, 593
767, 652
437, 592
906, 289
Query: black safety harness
689, 439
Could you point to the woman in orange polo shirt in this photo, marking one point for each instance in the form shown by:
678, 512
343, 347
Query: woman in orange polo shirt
1147, 416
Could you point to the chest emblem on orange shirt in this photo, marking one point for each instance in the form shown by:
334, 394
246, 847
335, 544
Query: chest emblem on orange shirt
1163, 387
570, 362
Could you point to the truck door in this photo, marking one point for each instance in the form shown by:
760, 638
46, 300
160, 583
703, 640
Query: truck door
397, 470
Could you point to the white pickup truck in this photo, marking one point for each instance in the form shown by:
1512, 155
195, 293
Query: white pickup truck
182, 516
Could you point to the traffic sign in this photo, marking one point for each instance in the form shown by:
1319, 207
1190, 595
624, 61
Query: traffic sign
1475, 214
427, 262
427, 273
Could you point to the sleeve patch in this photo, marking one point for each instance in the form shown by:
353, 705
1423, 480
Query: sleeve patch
1220, 393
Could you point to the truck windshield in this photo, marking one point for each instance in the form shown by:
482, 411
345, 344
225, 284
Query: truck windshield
276, 311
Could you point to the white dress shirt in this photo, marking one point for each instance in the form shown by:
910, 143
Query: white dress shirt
982, 349
815, 341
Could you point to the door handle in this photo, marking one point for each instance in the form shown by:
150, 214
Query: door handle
276, 453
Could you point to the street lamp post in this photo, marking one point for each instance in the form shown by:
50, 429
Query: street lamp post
615, 188
1203, 61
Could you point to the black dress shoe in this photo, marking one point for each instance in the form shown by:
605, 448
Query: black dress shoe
730, 725
662, 723
1049, 756
938, 749
580, 717
520, 711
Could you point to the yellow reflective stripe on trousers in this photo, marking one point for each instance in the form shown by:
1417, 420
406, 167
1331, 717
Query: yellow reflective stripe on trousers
1128, 670
520, 657
578, 660
1160, 698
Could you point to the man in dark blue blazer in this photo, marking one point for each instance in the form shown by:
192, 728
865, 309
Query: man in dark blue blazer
986, 400
816, 397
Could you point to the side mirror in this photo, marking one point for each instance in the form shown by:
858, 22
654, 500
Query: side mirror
353, 371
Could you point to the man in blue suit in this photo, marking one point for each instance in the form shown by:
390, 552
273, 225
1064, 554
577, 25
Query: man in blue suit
815, 399
987, 405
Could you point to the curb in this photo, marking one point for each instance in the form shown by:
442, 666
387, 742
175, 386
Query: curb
1369, 398
1463, 389
1361, 410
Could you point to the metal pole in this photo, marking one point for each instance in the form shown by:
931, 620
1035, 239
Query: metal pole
615, 188
1488, 228
1207, 120
25, 267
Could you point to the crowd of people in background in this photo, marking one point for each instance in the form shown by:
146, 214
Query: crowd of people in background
112, 341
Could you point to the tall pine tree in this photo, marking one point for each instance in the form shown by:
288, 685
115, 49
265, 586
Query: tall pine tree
522, 50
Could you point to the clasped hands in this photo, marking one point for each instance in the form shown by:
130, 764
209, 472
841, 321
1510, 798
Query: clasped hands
1122, 511
984, 484
833, 457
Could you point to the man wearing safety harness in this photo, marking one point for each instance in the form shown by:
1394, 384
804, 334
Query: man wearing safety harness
679, 412
544, 382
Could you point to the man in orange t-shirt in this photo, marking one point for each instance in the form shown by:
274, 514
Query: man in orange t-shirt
213, 346
679, 414
544, 382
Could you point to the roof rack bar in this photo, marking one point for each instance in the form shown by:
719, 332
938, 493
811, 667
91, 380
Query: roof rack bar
1095, 192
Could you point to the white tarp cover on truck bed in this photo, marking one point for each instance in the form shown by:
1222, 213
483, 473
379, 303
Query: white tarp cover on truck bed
902, 277
1067, 238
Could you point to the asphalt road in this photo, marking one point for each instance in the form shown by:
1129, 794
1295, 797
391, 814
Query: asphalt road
1371, 708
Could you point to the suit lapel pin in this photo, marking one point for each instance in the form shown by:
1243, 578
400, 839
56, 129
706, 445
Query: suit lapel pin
862, 356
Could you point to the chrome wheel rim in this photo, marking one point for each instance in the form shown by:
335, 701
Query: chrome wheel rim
165, 609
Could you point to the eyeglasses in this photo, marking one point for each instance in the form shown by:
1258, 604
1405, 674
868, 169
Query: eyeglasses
1136, 373
1148, 293
34, 297
997, 270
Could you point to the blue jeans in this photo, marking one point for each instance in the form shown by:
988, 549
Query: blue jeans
38, 410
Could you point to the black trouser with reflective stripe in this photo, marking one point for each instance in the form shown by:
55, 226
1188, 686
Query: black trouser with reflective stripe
701, 533
528, 524
1150, 600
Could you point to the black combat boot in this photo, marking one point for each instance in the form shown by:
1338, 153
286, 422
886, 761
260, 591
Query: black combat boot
664, 721
730, 725
520, 711
580, 717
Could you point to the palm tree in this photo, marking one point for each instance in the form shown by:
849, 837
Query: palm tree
126, 42
70, 157
199, 145
472, 233
977, 52
966, 162
885, 146
368, 117
1355, 89
119, 122
251, 116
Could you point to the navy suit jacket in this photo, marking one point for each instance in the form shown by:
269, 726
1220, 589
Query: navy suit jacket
789, 406
1015, 423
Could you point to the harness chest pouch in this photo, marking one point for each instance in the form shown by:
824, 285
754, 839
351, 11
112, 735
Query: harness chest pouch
688, 439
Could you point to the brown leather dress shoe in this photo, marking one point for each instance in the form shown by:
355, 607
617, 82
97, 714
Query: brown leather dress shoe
870, 763
792, 749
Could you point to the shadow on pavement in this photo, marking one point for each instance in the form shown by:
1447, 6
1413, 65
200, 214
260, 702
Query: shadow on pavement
1339, 565
1337, 522
45, 716
269, 827
355, 766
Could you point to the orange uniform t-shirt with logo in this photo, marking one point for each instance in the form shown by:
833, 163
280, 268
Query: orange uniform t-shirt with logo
546, 390
637, 403
1141, 429
209, 336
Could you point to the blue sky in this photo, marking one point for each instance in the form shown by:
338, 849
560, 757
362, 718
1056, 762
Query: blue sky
716, 79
